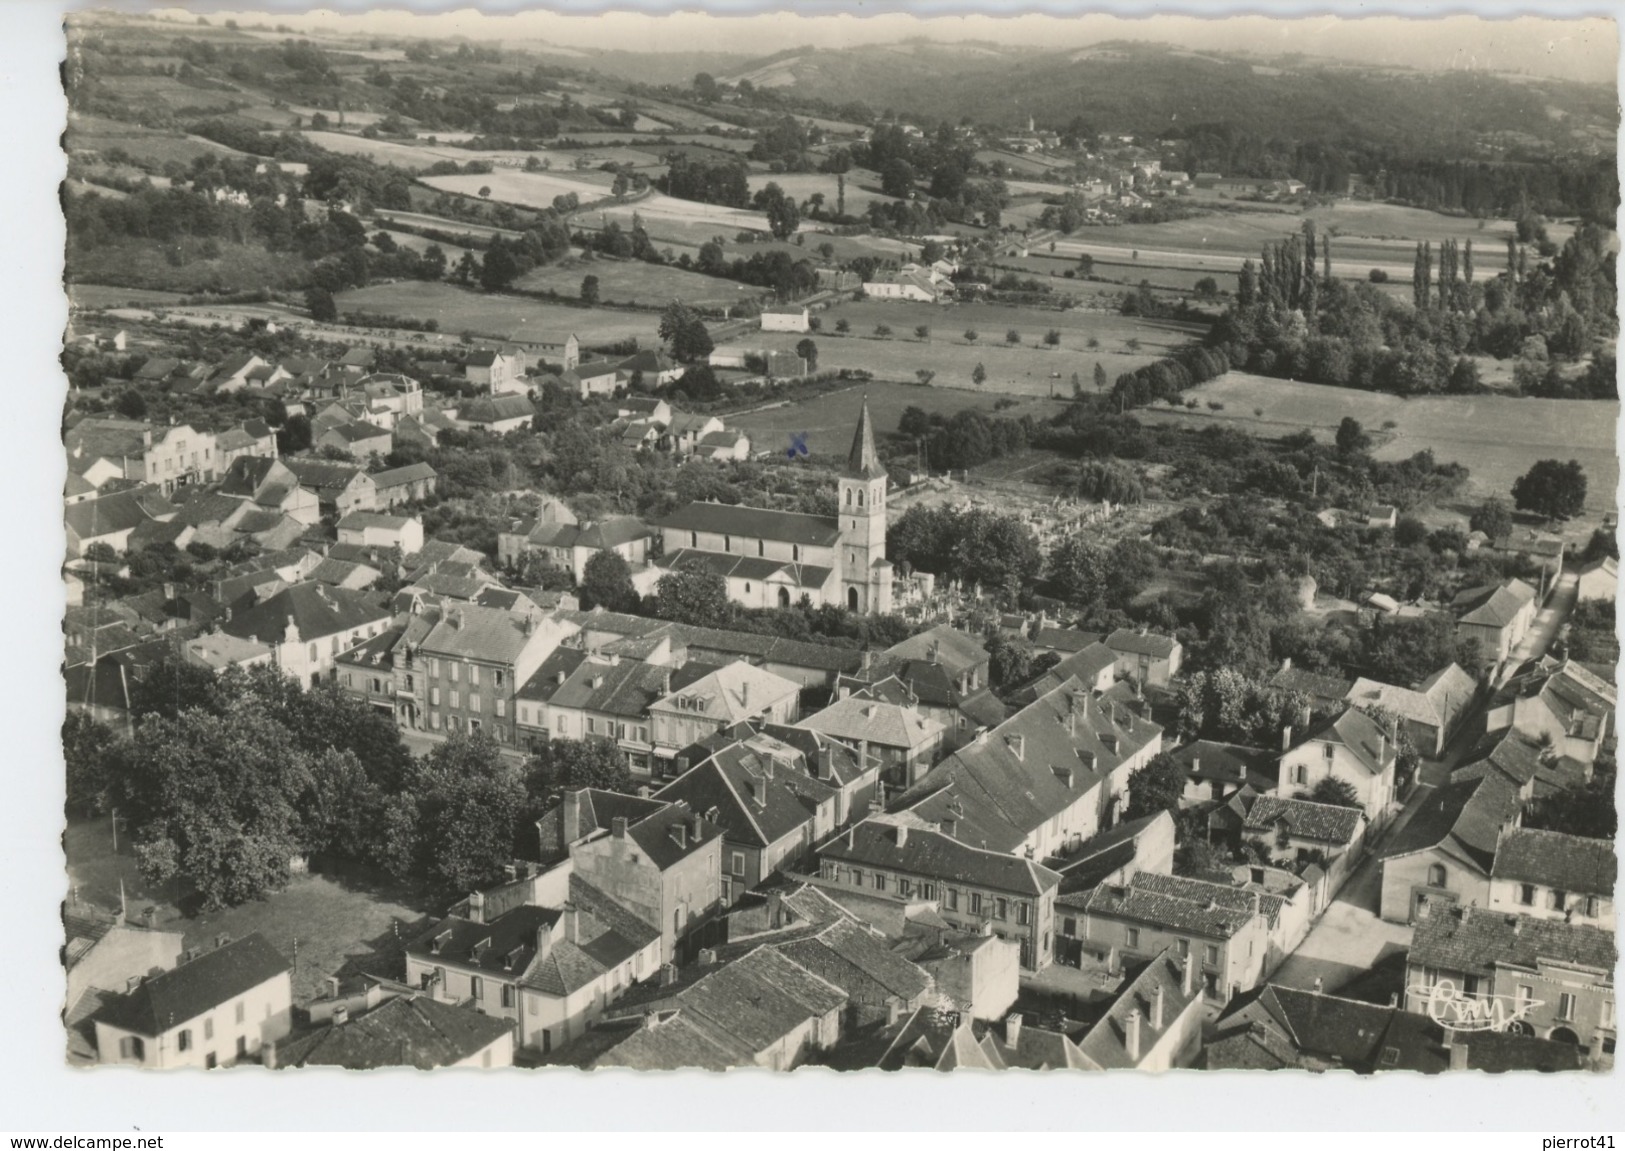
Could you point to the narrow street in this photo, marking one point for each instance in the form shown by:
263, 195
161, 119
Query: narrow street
1548, 622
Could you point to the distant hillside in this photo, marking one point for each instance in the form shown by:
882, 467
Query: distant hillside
1147, 89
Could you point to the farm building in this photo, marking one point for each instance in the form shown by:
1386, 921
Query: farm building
785, 319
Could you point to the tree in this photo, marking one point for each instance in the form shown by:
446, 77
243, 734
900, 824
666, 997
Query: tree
1012, 337
1052, 338
783, 217
978, 375
469, 802
567, 764
1551, 489
1100, 377
87, 746
1155, 787
1493, 518
705, 87
1351, 438
589, 290
697, 598
131, 405
1333, 792
1587, 810
606, 581
321, 305
500, 266
922, 331
685, 333
843, 326
970, 335
897, 178
1010, 661
808, 351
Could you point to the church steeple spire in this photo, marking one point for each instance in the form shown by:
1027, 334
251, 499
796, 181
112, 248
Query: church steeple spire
863, 462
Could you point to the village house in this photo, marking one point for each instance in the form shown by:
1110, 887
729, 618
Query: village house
1295, 832
307, 626
412, 483
785, 318
1552, 979
1215, 771
358, 439
1553, 875
1495, 617
179, 456
723, 444
1155, 1021
249, 438
658, 861
101, 448
772, 558
653, 367
496, 371
1350, 746
609, 698
1599, 580
1325, 690
474, 660
406, 1030
1042, 782
271, 485
109, 521
1443, 856
734, 693
101, 957
498, 414
770, 813
570, 545
1560, 705
1147, 658
904, 742
214, 1009
379, 530
973, 888
1430, 712
340, 488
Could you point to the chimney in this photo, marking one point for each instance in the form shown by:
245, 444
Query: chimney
476, 906
332, 982
572, 923
558, 679
618, 827
696, 829
1319, 983
341, 1015
1286, 664
544, 941
1131, 1035
1382, 749
744, 695
902, 834
570, 817
1196, 764
668, 974
1156, 1008
775, 908
1458, 1053
1286, 738
706, 958
1012, 1029
826, 763
894, 1010
1188, 977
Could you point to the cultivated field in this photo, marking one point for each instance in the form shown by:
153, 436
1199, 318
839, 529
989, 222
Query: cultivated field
1497, 437
828, 420
680, 221
94, 296
95, 134
526, 189
500, 317
1025, 369
628, 282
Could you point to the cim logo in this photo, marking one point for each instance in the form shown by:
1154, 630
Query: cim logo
1448, 1005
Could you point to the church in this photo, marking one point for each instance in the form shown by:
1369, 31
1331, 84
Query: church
771, 558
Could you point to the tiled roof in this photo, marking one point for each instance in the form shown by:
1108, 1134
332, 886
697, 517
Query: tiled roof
1225, 894
624, 689
484, 633
1316, 685
765, 648
1494, 606
395, 477
755, 801
1465, 816
187, 991
495, 409
1359, 733
1437, 702
733, 692
956, 650
316, 610
91, 519
1207, 759
1142, 643
1106, 1043
409, 1030
1320, 821
932, 855
885, 724
1064, 639
1474, 941
755, 523
1143, 903
323, 476
1569, 863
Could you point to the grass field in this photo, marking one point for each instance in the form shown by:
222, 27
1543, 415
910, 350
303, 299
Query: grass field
828, 420
144, 146
92, 296
527, 189
500, 317
1497, 437
680, 221
335, 921
1024, 369
626, 282
862, 188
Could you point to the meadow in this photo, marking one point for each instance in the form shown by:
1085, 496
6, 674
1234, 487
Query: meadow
89, 297
862, 188
527, 189
628, 282
500, 317
1028, 368
1497, 437
827, 421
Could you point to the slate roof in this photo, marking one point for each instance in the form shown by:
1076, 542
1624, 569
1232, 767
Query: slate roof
1105, 1044
185, 992
756, 802
624, 689
1463, 816
1133, 642
396, 477
316, 610
1305, 820
92, 519
1188, 905
1316, 685
1064, 639
932, 855
1569, 863
324, 477
409, 1030
495, 409
956, 650
1091, 862
486, 634
1493, 606
1475, 941
755, 523
542, 684
886, 724
1207, 759
1036, 764
1356, 731
862, 462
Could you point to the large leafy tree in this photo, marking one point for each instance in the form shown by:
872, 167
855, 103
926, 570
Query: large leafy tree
468, 806
684, 333
1552, 489
1332, 791
87, 747
606, 582
699, 598
566, 764
1155, 787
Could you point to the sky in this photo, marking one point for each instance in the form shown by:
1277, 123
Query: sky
1574, 49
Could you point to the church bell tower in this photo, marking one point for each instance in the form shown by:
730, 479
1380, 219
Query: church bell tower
866, 573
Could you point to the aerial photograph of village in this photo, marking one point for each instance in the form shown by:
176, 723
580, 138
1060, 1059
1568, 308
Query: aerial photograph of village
918, 553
